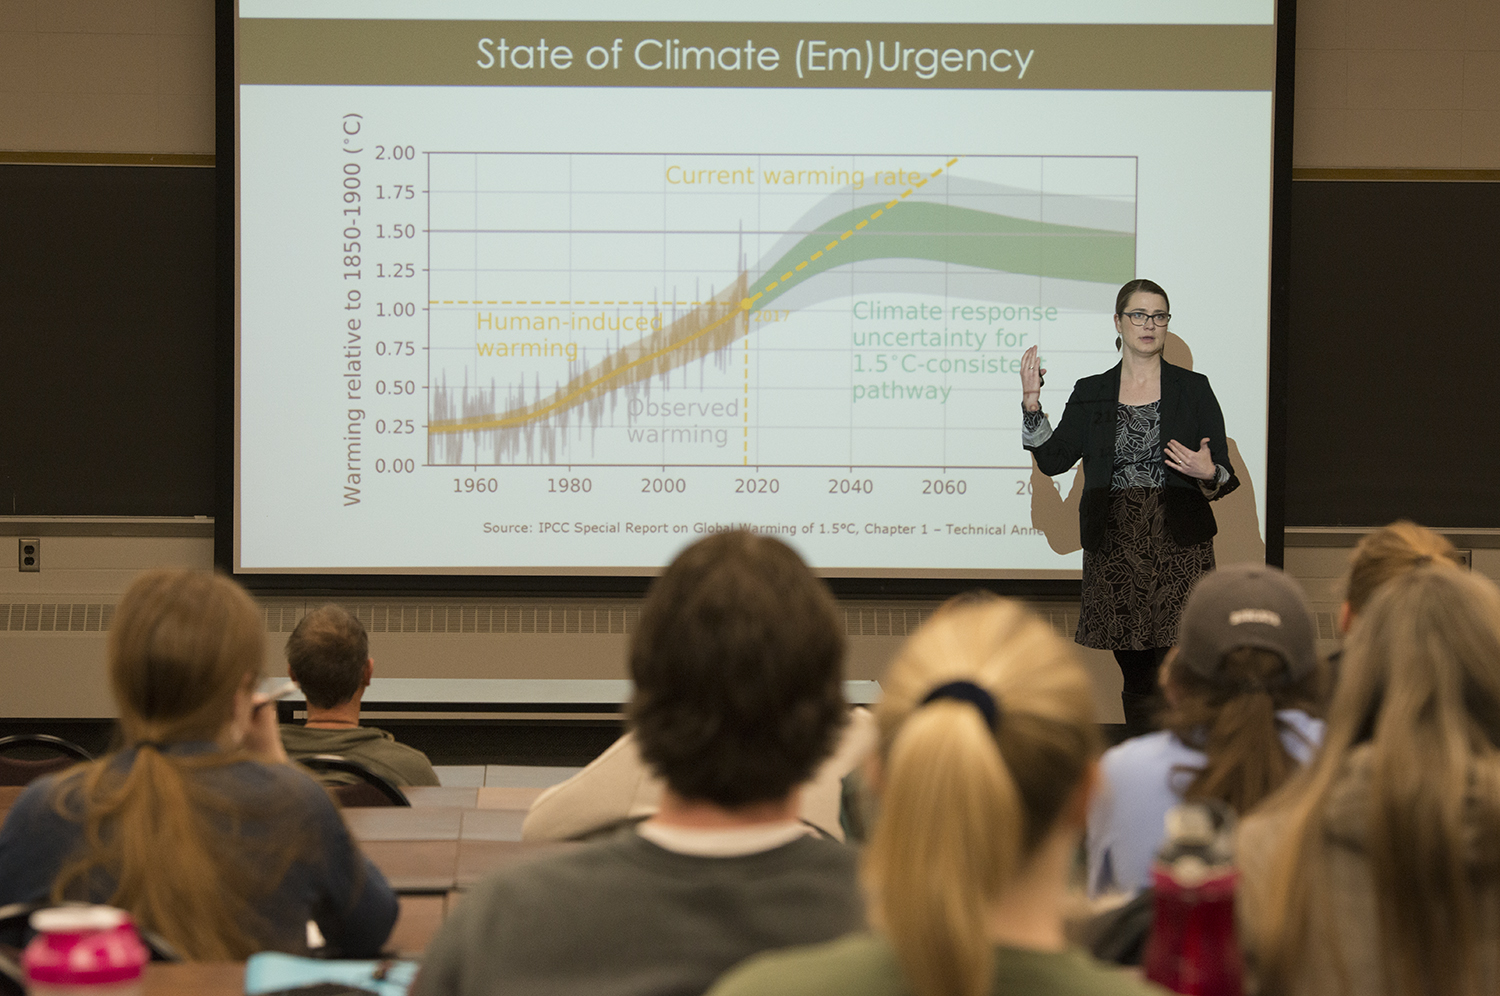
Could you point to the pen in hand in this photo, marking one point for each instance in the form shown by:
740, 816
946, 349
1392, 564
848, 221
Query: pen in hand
262, 734
280, 693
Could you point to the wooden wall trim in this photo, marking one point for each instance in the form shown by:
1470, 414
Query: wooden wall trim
106, 159
1399, 175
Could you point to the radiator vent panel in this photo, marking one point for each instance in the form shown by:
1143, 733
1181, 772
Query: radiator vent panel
561, 619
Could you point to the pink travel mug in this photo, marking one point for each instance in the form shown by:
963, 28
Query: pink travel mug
84, 951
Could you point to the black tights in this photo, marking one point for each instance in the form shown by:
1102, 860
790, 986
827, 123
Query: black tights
1139, 669
1138, 693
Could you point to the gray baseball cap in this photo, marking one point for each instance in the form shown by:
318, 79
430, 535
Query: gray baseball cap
1246, 605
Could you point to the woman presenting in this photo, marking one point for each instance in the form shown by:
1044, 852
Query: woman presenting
1151, 437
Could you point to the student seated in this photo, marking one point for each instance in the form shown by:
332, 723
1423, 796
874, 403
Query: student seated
199, 826
1387, 553
988, 752
1241, 686
1377, 869
328, 654
618, 787
738, 669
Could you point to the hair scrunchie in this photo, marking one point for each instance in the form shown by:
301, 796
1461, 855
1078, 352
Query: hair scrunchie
967, 691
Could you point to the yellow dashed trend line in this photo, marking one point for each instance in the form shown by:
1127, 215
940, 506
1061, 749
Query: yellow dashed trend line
746, 305
749, 302
684, 304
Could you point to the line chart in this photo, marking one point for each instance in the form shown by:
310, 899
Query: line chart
657, 309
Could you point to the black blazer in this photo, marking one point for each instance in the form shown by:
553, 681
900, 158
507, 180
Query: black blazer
1189, 412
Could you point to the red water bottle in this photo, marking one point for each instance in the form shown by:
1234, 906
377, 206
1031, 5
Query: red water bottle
1193, 948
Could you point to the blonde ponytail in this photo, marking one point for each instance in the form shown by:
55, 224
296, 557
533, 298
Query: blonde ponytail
936, 875
963, 806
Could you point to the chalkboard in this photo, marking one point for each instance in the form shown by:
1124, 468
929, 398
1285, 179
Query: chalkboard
1393, 354
108, 385
107, 332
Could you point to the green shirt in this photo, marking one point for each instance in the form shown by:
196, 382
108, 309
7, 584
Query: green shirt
375, 749
866, 965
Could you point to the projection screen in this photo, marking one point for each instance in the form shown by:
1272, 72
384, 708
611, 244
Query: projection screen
557, 288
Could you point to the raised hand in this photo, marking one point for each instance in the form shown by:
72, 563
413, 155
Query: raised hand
1197, 463
1032, 379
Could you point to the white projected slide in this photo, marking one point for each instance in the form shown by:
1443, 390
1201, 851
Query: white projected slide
561, 296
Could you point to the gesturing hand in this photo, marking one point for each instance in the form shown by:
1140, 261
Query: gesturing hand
1032, 380
1197, 463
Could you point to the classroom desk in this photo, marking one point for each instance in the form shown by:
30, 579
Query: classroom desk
477, 858
473, 798
415, 866
433, 849
441, 795
205, 978
373, 823
512, 695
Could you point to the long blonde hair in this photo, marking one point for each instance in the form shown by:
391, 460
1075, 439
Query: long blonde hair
181, 645
962, 807
1389, 552
1420, 694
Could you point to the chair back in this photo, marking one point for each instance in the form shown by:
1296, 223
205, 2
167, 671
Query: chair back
23, 771
370, 790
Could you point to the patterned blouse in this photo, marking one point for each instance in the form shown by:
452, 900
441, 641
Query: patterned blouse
1138, 452
1139, 461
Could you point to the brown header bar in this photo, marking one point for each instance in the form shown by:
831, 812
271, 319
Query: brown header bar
715, 54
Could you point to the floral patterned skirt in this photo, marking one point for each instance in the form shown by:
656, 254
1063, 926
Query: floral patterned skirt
1136, 583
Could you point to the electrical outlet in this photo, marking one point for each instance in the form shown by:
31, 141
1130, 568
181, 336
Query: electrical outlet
1466, 557
29, 556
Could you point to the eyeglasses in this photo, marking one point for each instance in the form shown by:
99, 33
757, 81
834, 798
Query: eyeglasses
1140, 318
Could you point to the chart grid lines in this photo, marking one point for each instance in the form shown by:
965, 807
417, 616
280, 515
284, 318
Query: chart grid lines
558, 377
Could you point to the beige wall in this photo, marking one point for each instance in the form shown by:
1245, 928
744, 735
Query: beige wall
1398, 83
107, 75
51, 668
1380, 83
53, 622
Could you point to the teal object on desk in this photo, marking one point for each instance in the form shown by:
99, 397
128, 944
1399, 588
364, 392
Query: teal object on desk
272, 972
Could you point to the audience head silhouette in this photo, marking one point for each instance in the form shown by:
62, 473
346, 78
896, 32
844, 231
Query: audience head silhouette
327, 655
737, 662
1389, 552
185, 654
182, 645
738, 669
161, 822
1400, 813
1246, 650
988, 747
